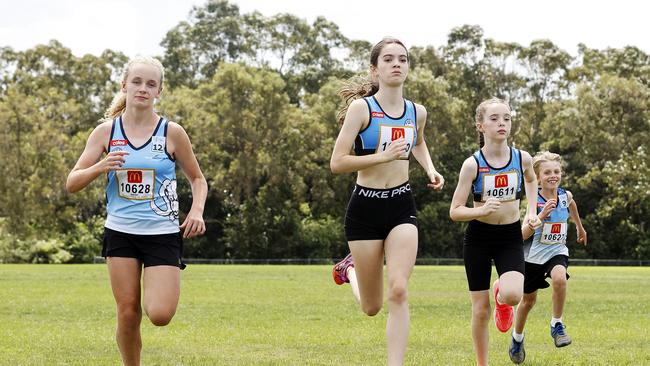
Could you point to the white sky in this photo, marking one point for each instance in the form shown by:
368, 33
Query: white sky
138, 26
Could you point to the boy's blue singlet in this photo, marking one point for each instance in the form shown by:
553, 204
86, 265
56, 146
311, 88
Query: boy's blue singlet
550, 238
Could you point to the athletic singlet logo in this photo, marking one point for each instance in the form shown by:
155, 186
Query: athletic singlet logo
556, 228
377, 114
501, 181
484, 169
119, 142
134, 176
408, 122
397, 133
167, 192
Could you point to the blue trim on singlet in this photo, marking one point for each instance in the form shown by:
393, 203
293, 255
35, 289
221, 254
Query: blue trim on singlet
541, 253
156, 210
514, 164
368, 138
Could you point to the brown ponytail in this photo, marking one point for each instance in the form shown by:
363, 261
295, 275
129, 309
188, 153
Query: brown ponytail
359, 87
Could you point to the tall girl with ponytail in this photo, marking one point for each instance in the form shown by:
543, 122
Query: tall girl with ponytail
380, 130
142, 239
495, 176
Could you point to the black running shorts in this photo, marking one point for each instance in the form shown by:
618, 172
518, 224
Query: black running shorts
152, 250
485, 243
372, 213
536, 274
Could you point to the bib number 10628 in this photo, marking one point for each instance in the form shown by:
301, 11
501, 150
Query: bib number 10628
136, 184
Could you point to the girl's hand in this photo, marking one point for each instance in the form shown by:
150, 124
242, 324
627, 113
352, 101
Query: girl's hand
113, 160
491, 205
395, 149
193, 225
532, 221
582, 236
436, 180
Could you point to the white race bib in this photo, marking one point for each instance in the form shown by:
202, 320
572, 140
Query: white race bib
502, 186
388, 134
554, 233
135, 184
157, 144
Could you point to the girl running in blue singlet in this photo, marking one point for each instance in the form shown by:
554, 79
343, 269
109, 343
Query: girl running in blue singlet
380, 130
142, 239
494, 175
548, 256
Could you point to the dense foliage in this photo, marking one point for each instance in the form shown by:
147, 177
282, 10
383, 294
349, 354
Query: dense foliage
258, 97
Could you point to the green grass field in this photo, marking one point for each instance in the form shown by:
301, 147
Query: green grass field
295, 315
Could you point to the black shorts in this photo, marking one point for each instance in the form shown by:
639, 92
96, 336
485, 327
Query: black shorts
485, 243
536, 274
152, 250
373, 213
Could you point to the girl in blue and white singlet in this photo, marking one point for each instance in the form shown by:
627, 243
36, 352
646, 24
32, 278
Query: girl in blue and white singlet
142, 237
384, 130
548, 256
141, 196
494, 176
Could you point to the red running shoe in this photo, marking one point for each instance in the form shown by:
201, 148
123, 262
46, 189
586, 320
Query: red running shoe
504, 314
340, 270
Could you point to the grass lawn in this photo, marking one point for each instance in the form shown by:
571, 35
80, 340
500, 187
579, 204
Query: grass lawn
295, 315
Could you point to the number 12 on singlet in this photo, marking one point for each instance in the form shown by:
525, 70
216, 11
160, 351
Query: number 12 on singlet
388, 134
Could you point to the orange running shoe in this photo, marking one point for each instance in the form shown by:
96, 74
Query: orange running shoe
504, 314
340, 270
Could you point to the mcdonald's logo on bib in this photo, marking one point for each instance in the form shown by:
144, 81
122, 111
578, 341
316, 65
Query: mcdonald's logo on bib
501, 181
134, 176
397, 133
556, 228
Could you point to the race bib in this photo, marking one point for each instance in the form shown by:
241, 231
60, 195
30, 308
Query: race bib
388, 134
135, 184
563, 201
502, 186
554, 233
157, 144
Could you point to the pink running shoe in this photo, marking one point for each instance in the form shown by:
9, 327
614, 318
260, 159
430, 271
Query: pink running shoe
503, 314
340, 270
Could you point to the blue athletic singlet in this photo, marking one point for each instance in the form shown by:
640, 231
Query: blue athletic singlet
382, 129
141, 196
550, 238
503, 183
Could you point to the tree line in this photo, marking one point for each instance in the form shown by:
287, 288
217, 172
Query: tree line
258, 96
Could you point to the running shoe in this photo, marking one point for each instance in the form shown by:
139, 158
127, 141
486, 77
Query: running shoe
516, 351
558, 332
340, 270
503, 313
